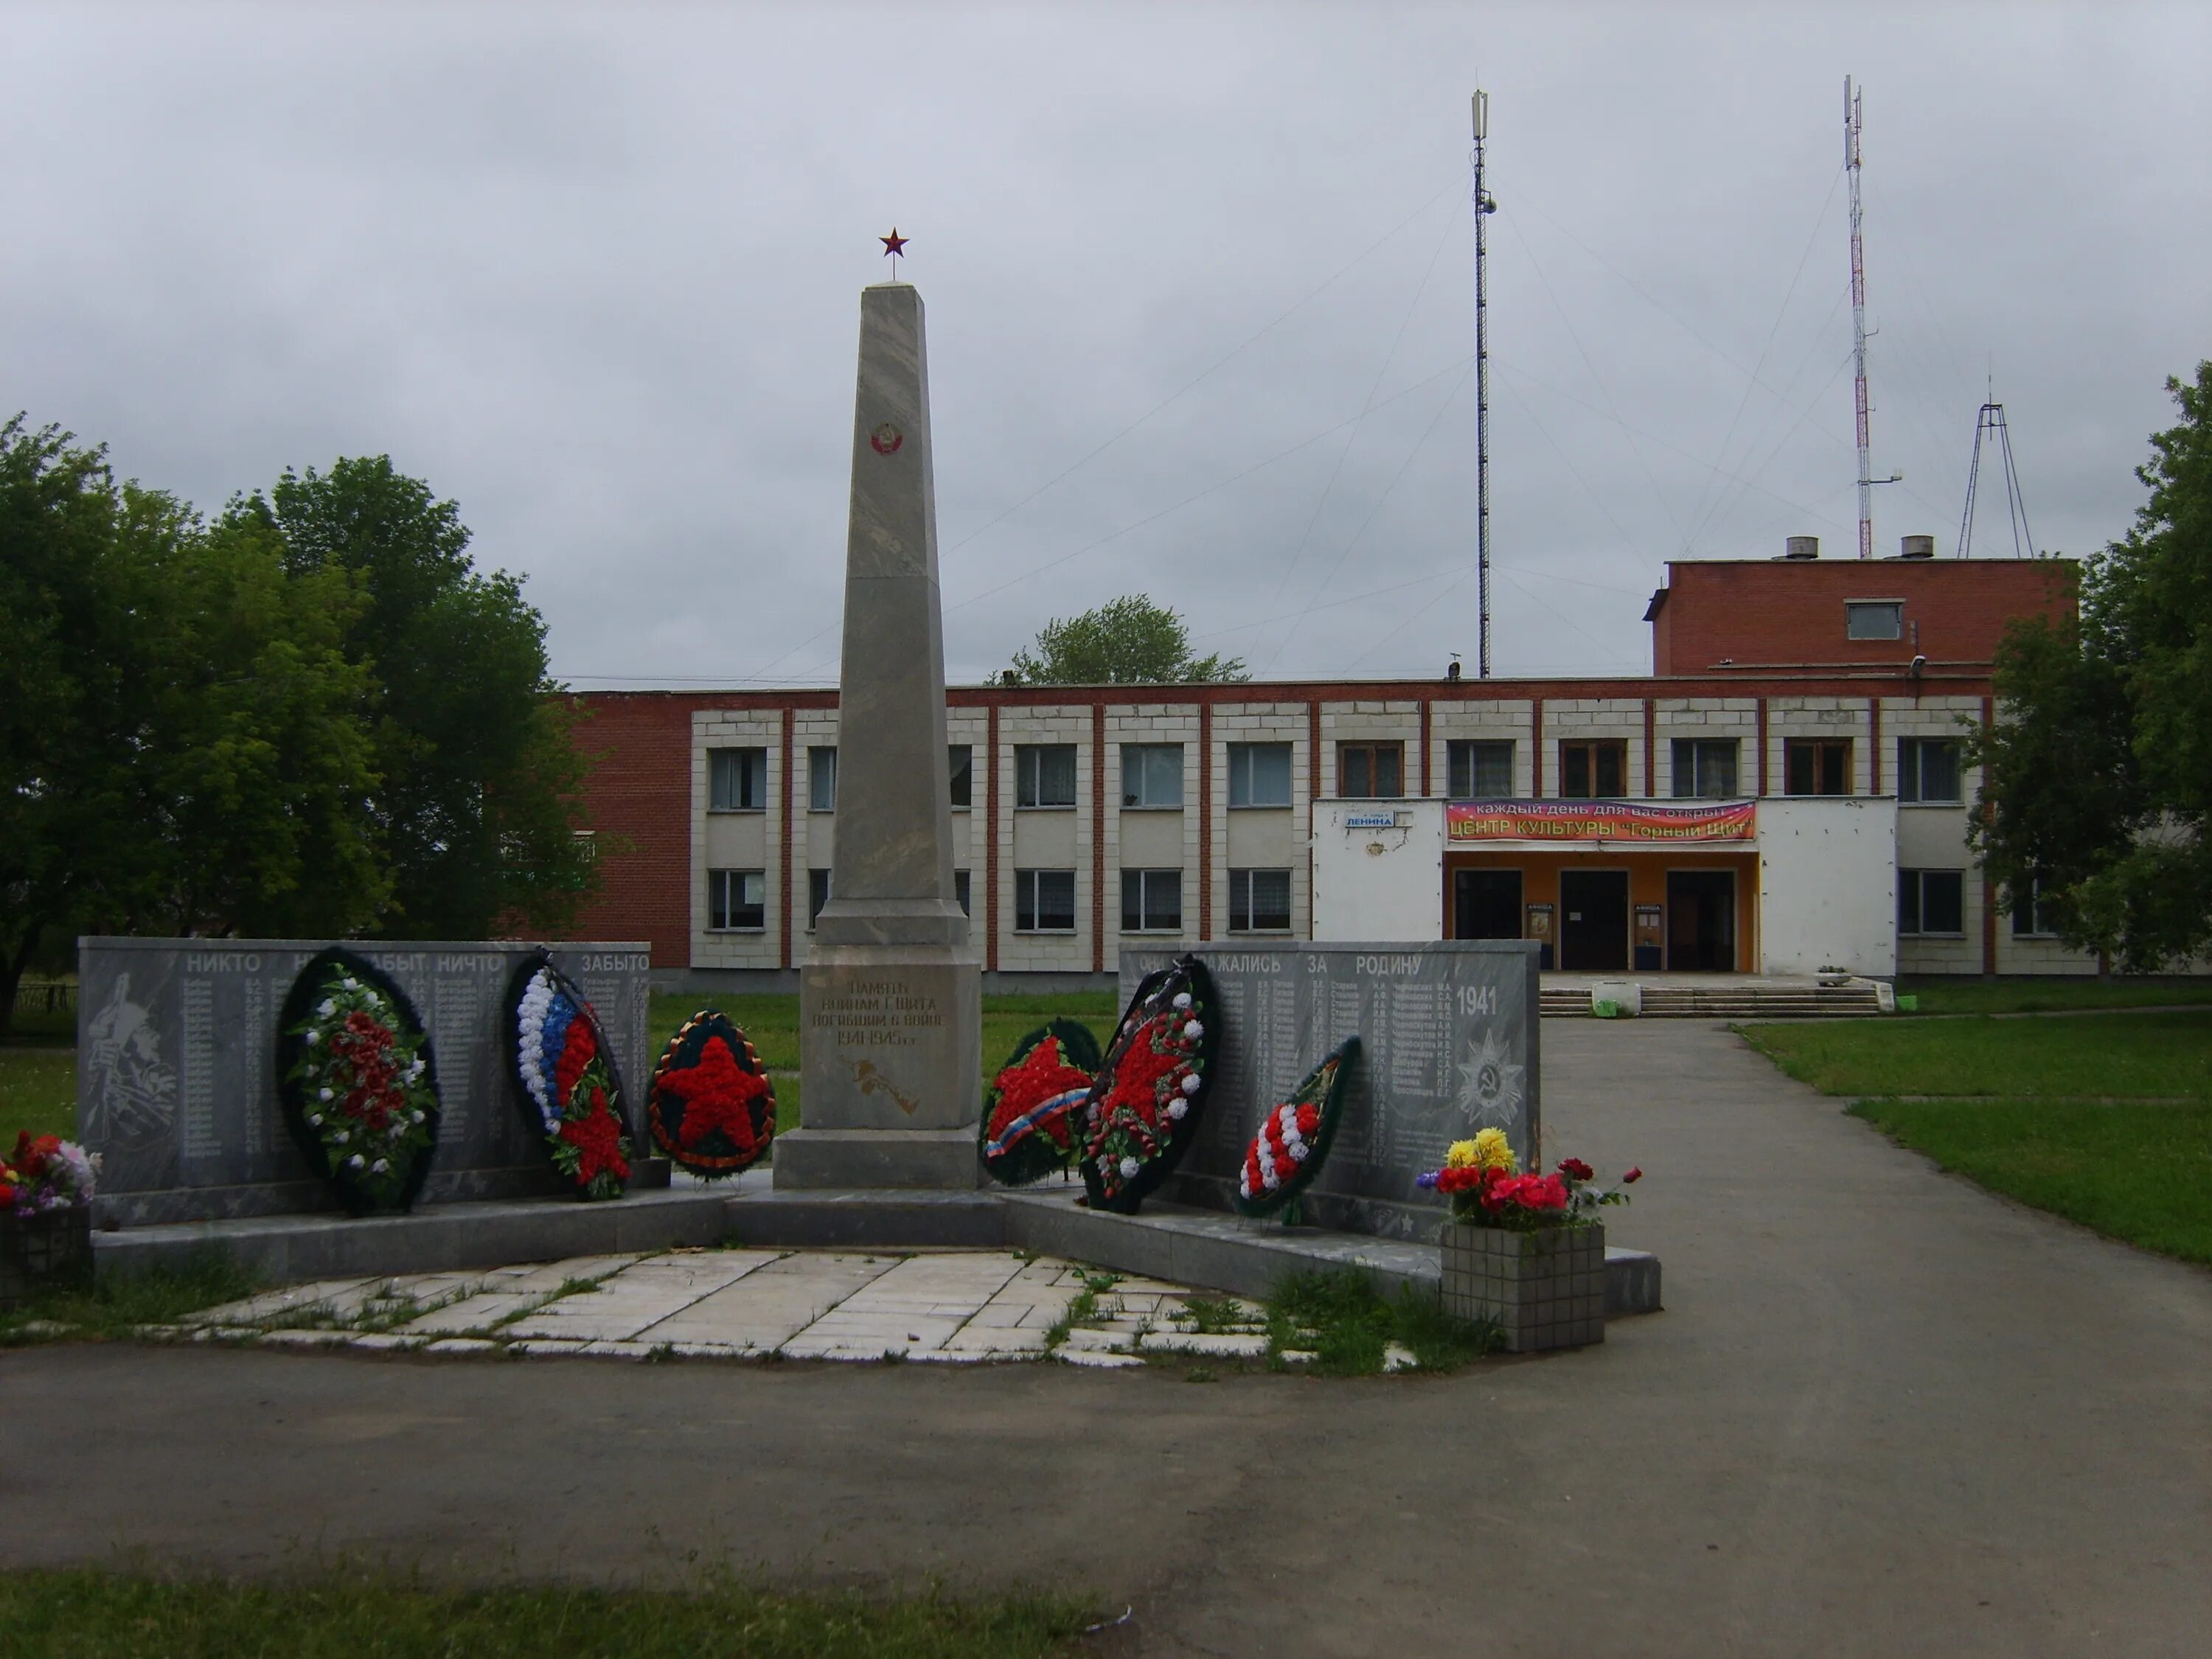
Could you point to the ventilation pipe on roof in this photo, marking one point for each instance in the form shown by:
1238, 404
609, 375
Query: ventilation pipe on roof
1917, 547
1801, 547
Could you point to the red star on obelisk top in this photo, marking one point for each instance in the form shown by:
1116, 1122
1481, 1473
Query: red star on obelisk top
894, 245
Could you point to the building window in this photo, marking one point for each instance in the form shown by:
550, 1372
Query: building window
1259, 901
822, 779
960, 891
1931, 902
1151, 774
1594, 769
1874, 619
737, 780
1704, 768
1044, 900
2030, 912
1370, 771
1259, 775
817, 895
1816, 766
960, 763
1928, 771
1478, 771
737, 900
1044, 774
1152, 901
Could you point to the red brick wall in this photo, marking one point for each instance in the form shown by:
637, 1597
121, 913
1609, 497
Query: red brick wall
1766, 614
640, 794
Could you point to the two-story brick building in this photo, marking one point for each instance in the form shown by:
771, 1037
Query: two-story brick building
1808, 712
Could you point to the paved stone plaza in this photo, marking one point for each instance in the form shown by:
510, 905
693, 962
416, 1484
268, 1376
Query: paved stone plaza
950, 1306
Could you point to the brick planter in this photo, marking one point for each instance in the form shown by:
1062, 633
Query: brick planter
1545, 1289
51, 1250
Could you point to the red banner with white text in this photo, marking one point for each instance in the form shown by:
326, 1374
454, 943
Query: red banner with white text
1598, 820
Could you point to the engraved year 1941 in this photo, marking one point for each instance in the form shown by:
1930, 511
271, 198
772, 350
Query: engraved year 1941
1477, 1000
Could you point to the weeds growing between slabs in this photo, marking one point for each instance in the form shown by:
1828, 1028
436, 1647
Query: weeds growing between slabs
85, 1614
115, 1306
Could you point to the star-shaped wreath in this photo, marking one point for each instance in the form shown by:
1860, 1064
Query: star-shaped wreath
718, 1095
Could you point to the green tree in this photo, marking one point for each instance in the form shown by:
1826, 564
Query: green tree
1127, 641
479, 804
181, 748
2098, 781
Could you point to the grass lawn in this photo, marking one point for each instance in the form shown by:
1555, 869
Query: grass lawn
207, 1278
94, 1614
2119, 1054
1950, 994
2106, 1121
38, 1092
2137, 1172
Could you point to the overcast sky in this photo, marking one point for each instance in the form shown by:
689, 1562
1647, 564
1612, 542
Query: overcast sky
1199, 286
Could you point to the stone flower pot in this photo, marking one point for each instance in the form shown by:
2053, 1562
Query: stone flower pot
50, 1251
1545, 1289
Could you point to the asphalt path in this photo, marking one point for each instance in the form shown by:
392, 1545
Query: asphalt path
1884, 1413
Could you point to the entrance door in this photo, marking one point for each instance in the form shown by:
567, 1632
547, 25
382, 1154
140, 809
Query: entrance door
1701, 921
1486, 904
1593, 923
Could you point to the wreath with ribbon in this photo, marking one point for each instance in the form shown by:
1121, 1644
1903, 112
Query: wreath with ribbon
711, 1107
356, 1077
1032, 1109
1295, 1137
564, 1069
1144, 1103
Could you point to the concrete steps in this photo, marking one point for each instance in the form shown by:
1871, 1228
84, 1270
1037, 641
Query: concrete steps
1749, 1000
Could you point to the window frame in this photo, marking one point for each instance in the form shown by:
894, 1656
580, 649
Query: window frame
1146, 879
1916, 880
1241, 761
1694, 747
960, 774
817, 772
1026, 887
2037, 927
1855, 609
1241, 905
815, 878
1796, 745
1151, 761
1374, 750
758, 754
1595, 749
1461, 767
963, 889
1028, 778
1911, 771
722, 879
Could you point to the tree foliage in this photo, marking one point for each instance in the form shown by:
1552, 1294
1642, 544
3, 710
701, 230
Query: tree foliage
2098, 779
1127, 641
309, 717
477, 807
181, 747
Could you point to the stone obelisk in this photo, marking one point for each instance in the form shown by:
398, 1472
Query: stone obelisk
890, 1003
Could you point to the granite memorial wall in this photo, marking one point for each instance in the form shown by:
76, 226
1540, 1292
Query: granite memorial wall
1448, 1034
176, 1062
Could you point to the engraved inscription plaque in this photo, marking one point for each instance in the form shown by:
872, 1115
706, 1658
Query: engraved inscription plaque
1448, 1034
176, 1051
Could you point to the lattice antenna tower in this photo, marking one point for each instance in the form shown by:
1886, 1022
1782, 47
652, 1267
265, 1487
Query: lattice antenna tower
1990, 423
1485, 205
1867, 480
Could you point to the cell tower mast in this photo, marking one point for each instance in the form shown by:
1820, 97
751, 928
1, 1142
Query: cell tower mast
1867, 480
1989, 422
1484, 207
